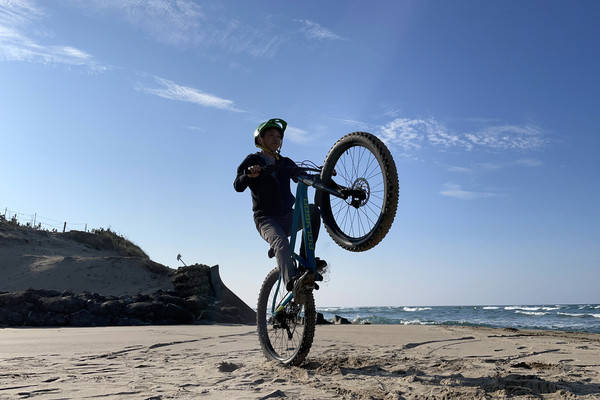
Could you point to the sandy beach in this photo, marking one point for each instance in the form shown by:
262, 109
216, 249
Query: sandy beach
349, 362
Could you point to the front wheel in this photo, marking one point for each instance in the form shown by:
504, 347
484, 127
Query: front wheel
362, 163
285, 336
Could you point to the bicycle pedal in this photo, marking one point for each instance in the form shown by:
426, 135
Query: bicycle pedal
316, 286
271, 253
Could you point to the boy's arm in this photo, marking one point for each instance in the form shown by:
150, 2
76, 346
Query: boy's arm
241, 180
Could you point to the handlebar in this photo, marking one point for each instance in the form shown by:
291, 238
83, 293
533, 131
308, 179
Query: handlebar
302, 174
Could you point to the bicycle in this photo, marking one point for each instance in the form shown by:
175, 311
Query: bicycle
357, 213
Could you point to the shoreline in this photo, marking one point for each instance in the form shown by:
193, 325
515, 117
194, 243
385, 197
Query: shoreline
346, 361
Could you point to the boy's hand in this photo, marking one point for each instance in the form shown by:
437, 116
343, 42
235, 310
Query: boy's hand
253, 171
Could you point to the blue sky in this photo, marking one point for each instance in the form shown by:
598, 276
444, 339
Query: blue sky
134, 115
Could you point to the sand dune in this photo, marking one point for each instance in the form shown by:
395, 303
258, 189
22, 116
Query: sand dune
348, 362
44, 260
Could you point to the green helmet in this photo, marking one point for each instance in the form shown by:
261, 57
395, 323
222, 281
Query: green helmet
276, 123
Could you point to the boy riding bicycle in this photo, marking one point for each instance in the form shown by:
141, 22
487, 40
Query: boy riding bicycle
272, 201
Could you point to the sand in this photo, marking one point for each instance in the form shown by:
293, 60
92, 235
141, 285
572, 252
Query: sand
346, 361
43, 260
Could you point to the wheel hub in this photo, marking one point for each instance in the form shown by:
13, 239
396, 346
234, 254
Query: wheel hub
362, 185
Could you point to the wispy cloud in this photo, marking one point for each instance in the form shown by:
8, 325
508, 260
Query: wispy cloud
494, 166
312, 30
297, 135
185, 23
524, 162
353, 123
456, 191
409, 133
16, 44
518, 137
173, 91
454, 168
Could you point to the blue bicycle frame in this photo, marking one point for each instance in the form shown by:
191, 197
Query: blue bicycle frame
301, 213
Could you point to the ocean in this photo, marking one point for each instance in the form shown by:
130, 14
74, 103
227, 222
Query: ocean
566, 317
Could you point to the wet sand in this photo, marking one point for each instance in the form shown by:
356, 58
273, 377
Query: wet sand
346, 361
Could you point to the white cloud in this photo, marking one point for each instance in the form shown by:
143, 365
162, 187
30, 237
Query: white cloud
518, 137
172, 91
457, 192
454, 168
523, 162
297, 135
185, 23
409, 133
354, 123
528, 162
16, 16
312, 30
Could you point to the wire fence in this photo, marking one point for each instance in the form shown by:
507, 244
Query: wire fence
37, 221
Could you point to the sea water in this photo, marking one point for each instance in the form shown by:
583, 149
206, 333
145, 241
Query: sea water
567, 317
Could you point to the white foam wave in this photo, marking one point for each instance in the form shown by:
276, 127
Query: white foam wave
530, 312
595, 315
550, 308
522, 308
413, 309
490, 308
573, 314
416, 322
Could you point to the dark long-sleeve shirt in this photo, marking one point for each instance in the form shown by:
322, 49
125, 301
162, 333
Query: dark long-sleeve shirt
271, 194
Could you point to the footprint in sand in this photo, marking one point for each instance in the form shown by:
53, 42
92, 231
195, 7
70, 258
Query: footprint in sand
225, 366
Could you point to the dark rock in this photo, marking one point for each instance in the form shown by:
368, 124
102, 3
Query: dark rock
321, 320
38, 318
111, 307
196, 304
82, 318
143, 310
179, 314
94, 307
191, 280
140, 298
62, 304
10, 317
166, 298
341, 320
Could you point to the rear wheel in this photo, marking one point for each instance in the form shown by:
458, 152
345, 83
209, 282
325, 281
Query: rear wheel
285, 336
362, 162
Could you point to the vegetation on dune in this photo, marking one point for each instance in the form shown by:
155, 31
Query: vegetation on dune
99, 239
105, 239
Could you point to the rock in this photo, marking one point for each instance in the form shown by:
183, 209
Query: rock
191, 280
179, 314
341, 320
321, 320
166, 299
82, 318
143, 310
196, 304
111, 307
62, 304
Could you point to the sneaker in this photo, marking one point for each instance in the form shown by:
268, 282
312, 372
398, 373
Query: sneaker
302, 286
320, 264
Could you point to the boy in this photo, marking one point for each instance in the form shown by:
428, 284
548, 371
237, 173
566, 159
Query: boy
272, 200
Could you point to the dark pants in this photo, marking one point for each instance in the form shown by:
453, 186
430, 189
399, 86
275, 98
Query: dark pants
276, 229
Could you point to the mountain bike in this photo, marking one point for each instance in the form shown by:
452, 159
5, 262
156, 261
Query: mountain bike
356, 191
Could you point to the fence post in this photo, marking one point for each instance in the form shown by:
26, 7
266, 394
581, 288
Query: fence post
85, 229
64, 226
34, 218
